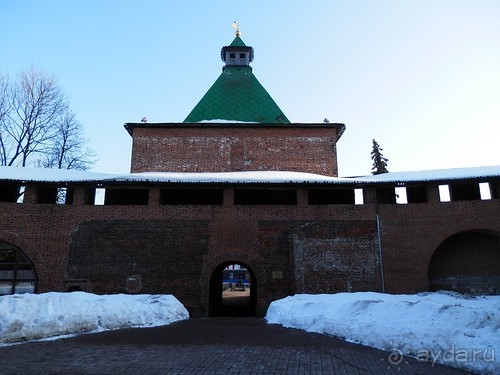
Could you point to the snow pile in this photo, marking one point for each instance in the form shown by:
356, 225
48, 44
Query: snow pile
443, 327
35, 316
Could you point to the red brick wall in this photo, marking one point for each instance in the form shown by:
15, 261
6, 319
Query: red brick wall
223, 149
410, 234
291, 249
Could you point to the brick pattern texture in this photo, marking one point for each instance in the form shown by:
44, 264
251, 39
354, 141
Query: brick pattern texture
228, 149
290, 249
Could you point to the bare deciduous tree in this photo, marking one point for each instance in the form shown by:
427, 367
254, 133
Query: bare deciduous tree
4, 111
37, 127
69, 148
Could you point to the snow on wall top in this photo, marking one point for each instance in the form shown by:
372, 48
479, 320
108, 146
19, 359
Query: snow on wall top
48, 175
222, 121
275, 177
437, 175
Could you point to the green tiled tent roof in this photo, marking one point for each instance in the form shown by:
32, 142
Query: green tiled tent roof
237, 95
237, 42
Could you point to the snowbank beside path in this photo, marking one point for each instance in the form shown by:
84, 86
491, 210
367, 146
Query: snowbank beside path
35, 316
443, 327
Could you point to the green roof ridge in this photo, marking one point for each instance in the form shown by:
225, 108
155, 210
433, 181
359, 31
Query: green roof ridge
237, 95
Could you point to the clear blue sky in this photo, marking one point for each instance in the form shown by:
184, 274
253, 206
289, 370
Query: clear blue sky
422, 77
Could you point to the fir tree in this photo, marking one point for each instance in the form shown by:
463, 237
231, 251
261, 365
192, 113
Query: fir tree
379, 162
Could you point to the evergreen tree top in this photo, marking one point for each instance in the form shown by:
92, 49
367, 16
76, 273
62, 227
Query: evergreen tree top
379, 161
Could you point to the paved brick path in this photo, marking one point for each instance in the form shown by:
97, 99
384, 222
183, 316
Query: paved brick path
205, 346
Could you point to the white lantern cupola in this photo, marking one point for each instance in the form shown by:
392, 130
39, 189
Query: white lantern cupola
237, 53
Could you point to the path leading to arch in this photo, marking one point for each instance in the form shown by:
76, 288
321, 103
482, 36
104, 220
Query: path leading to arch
236, 298
205, 346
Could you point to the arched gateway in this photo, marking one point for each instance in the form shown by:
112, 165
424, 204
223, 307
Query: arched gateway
232, 290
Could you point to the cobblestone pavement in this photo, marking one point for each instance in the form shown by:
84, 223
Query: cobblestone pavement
206, 346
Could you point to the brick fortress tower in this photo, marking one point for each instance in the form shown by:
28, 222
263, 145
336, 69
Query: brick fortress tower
236, 126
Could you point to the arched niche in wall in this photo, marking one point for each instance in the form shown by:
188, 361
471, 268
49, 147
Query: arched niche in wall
467, 262
17, 273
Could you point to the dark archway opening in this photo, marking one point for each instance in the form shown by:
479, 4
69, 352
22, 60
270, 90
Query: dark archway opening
467, 262
233, 291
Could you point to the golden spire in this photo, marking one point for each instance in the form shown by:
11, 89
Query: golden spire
237, 27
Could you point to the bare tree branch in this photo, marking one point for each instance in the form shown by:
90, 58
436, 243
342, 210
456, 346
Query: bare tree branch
4, 111
69, 150
37, 126
37, 102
